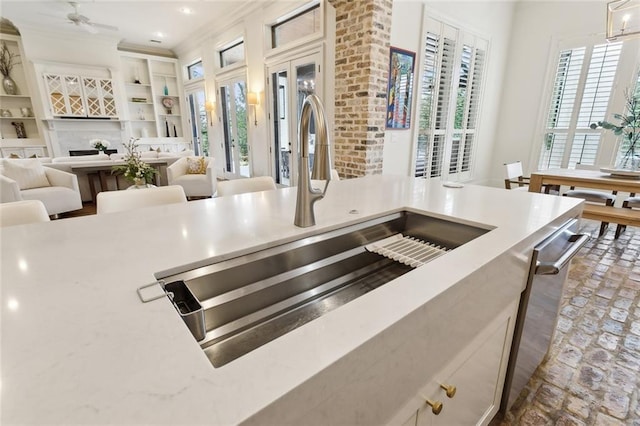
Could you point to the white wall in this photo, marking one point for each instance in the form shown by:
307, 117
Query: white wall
489, 19
45, 46
406, 30
537, 27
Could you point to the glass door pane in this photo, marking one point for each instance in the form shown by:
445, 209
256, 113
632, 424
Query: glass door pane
305, 86
282, 142
241, 153
291, 82
198, 121
228, 129
233, 101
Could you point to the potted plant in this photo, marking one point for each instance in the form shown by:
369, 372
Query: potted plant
99, 144
7, 62
135, 170
629, 129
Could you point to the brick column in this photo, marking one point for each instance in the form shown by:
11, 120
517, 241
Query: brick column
363, 31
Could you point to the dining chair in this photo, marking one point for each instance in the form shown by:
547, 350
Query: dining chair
130, 199
22, 212
241, 186
592, 196
513, 175
632, 202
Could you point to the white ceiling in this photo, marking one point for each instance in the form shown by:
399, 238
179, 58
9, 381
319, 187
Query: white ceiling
138, 21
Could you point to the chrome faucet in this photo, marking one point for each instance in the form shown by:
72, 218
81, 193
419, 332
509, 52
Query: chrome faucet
307, 196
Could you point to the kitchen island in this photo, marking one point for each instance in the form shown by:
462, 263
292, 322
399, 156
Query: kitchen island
79, 347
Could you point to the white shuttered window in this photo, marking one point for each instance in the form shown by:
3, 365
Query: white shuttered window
582, 88
453, 64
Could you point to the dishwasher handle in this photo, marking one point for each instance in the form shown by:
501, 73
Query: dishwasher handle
553, 268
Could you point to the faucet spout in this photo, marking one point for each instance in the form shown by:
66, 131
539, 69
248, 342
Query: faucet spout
307, 196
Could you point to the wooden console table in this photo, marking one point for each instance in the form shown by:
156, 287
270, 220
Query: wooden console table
594, 179
99, 171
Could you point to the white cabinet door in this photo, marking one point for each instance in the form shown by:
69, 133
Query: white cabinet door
478, 377
65, 95
476, 383
99, 97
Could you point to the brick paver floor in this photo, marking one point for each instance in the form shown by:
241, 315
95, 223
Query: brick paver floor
591, 375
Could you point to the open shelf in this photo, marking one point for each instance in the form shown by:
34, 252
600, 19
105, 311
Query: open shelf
155, 75
16, 104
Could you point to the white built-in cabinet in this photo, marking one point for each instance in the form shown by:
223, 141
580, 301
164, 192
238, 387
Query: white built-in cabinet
468, 390
154, 99
18, 111
80, 96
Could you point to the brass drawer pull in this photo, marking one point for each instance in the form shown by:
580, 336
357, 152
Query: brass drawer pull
436, 406
450, 390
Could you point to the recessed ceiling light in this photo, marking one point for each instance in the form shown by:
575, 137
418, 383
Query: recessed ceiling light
186, 10
158, 34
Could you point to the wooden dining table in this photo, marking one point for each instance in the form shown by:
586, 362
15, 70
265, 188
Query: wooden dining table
101, 170
593, 179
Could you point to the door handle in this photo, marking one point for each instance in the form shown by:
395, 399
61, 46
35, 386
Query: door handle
553, 268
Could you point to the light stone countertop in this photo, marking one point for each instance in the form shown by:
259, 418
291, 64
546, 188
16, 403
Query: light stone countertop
78, 346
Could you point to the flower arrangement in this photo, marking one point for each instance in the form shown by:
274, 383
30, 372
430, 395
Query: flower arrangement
135, 170
7, 60
629, 129
99, 144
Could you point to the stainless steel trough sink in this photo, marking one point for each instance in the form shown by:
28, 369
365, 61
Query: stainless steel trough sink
250, 300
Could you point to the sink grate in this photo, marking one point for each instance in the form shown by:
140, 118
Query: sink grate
408, 250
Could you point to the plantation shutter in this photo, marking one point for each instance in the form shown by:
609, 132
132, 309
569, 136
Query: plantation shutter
452, 68
467, 105
426, 101
580, 96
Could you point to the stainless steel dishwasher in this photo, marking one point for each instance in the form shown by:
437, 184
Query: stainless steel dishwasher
539, 306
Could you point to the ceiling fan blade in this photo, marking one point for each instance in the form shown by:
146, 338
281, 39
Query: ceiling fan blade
87, 27
104, 26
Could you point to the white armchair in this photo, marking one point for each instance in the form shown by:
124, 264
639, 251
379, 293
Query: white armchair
194, 185
61, 195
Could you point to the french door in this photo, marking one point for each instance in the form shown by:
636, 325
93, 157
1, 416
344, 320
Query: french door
198, 126
290, 82
235, 148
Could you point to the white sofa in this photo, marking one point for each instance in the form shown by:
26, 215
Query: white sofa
62, 194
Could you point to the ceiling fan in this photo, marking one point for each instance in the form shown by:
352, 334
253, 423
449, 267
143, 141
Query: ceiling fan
85, 23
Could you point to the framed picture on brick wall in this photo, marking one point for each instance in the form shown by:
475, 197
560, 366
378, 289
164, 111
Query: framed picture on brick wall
400, 89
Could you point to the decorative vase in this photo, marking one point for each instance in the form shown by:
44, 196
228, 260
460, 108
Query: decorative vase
627, 167
630, 162
140, 182
10, 87
21, 133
